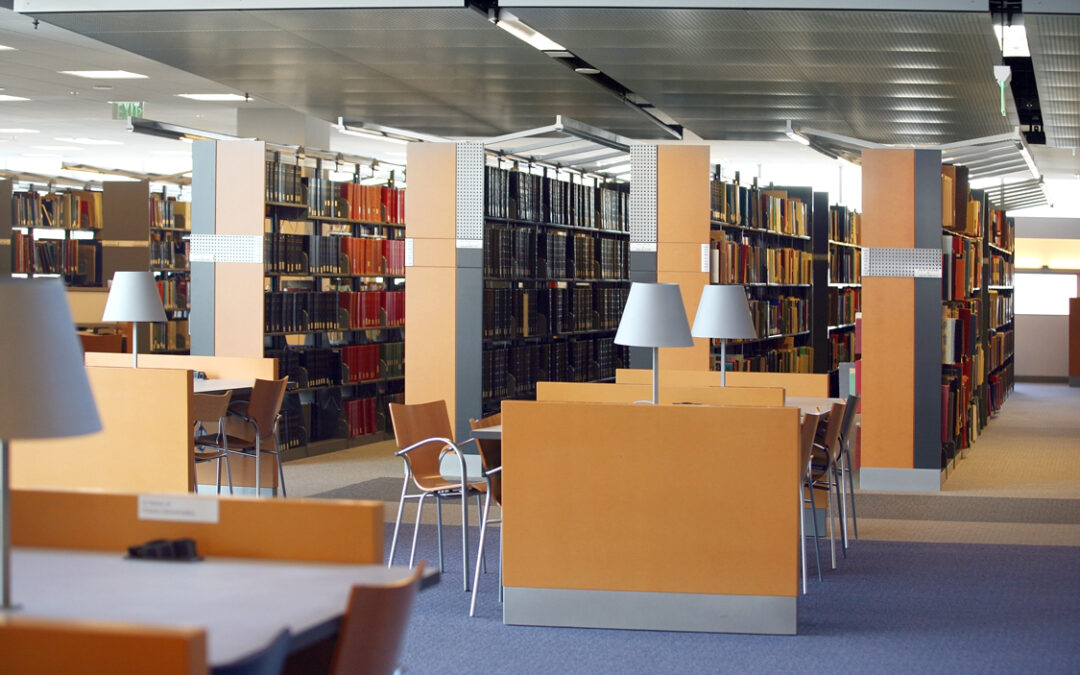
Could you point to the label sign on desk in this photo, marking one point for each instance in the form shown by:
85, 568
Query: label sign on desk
178, 509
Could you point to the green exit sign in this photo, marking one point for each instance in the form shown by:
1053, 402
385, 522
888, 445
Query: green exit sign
122, 110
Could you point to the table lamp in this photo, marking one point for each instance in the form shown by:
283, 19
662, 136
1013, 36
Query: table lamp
654, 317
45, 393
723, 313
133, 296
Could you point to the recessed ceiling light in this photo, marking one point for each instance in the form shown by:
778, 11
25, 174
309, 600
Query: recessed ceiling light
102, 87
17, 130
4, 48
87, 141
104, 74
51, 155
5, 97
55, 148
555, 54
213, 97
587, 71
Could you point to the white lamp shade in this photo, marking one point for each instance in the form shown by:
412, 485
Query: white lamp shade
45, 393
723, 312
654, 317
133, 296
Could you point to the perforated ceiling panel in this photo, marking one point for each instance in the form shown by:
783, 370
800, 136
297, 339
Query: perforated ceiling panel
1054, 40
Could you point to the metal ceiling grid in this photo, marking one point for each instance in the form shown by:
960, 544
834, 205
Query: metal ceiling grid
1053, 40
860, 73
442, 71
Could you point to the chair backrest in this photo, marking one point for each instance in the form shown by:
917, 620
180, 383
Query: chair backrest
832, 431
416, 422
810, 423
846, 427
266, 398
490, 453
374, 627
210, 407
270, 660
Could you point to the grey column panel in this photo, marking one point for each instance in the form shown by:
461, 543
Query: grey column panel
470, 344
926, 439
643, 228
642, 270
203, 210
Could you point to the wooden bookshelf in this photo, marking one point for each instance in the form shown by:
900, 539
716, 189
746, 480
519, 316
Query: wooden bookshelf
998, 285
170, 230
57, 234
843, 293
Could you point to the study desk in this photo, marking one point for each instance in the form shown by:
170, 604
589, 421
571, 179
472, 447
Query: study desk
241, 603
213, 385
492, 433
812, 403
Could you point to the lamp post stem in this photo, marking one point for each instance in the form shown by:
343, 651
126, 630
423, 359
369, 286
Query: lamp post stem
655, 375
134, 344
723, 361
5, 525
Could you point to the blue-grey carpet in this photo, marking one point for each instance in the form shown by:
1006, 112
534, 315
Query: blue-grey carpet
889, 608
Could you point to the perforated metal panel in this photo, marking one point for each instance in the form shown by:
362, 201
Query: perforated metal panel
239, 248
642, 195
470, 194
901, 262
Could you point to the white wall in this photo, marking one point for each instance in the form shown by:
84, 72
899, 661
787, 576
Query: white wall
1042, 346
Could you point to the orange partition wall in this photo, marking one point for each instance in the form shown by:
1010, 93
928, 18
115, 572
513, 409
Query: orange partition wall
793, 384
1074, 342
431, 280
682, 227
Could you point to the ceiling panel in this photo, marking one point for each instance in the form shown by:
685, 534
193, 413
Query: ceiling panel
1053, 39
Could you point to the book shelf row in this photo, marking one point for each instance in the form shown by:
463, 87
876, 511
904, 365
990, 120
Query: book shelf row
524, 195
78, 261
298, 311
330, 367
757, 208
511, 372
71, 210
738, 261
515, 312
784, 357
289, 184
302, 255
527, 252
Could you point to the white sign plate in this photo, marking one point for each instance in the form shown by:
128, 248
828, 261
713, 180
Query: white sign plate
705, 258
178, 509
408, 251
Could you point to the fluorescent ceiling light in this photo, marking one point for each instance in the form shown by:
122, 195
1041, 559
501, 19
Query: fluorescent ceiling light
213, 97
526, 33
586, 70
1015, 42
796, 136
1026, 154
87, 141
105, 74
17, 130
56, 147
5, 97
4, 48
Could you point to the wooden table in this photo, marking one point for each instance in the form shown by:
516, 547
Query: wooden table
209, 386
812, 403
241, 603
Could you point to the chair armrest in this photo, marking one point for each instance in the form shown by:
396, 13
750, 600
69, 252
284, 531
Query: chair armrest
452, 447
494, 471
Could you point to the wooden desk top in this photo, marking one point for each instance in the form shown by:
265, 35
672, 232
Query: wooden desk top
242, 604
209, 386
494, 432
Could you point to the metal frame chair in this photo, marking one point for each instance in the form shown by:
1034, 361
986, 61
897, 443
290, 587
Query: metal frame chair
847, 438
261, 413
810, 424
423, 436
491, 460
211, 408
824, 473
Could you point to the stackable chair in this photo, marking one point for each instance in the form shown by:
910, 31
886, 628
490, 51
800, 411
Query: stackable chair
810, 424
491, 460
824, 463
210, 447
847, 439
373, 629
423, 436
259, 415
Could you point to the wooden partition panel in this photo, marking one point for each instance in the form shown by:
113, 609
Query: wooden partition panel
40, 646
145, 444
341, 531
647, 512
604, 392
794, 384
215, 367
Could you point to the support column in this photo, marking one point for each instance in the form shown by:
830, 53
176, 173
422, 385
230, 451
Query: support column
901, 338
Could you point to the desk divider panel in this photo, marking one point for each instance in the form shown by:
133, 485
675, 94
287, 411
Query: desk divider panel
606, 392
312, 530
794, 384
31, 646
691, 511
145, 444
215, 367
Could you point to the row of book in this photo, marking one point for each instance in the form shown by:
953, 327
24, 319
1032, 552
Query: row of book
757, 208
72, 210
1002, 231
369, 309
959, 411
361, 416
844, 304
780, 316
1002, 270
302, 254
309, 366
168, 252
170, 336
845, 225
284, 183
734, 260
166, 212
1000, 307
524, 252
1000, 349
510, 313
784, 358
354, 201
961, 267
174, 292
999, 384
78, 259
845, 265
513, 371
842, 346
960, 331
523, 195
375, 361
296, 311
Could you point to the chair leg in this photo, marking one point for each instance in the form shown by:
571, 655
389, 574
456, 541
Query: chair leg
851, 489
817, 537
829, 514
438, 518
416, 530
218, 476
397, 521
480, 553
281, 473
228, 471
479, 508
258, 466
841, 511
802, 537
465, 533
